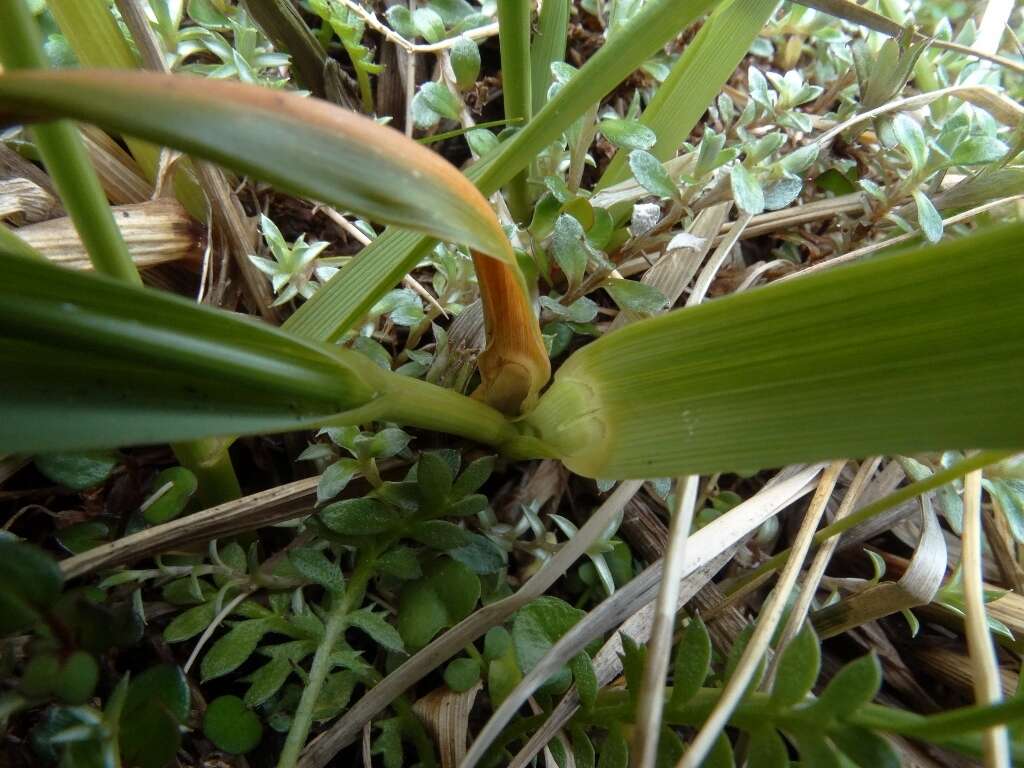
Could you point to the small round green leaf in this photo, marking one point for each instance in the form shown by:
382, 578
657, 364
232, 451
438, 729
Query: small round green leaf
30, 581
462, 674
77, 678
465, 62
233, 728
172, 490
628, 134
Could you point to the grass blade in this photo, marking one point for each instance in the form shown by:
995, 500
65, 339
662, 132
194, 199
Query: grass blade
65, 156
548, 47
926, 346
696, 78
304, 146
514, 36
91, 363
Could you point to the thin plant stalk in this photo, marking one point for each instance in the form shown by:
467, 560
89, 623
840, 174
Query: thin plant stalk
514, 37
334, 626
659, 646
812, 578
987, 683
65, 156
768, 619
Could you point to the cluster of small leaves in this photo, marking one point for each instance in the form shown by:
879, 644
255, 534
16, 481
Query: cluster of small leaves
293, 270
823, 729
349, 28
69, 632
222, 32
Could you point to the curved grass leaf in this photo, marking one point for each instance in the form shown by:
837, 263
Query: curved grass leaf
922, 350
304, 146
90, 363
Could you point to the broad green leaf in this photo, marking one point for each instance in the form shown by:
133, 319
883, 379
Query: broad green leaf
335, 479
929, 218
231, 726
440, 534
314, 565
767, 749
627, 134
301, 145
445, 596
190, 623
434, 479
537, 627
911, 138
747, 190
798, 669
472, 477
400, 562
585, 678
356, 287
481, 555
231, 650
166, 503
977, 150
614, 753
30, 582
917, 351
692, 662
155, 708
432, 102
568, 249
865, 748
650, 174
854, 685
465, 55
462, 674
267, 680
77, 471
380, 631
361, 517
635, 296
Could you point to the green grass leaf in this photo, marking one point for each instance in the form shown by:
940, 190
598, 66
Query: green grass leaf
918, 351
304, 146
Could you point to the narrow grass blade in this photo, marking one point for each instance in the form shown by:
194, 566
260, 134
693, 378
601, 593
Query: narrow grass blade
514, 37
281, 22
304, 146
339, 304
697, 77
926, 347
91, 363
547, 48
65, 157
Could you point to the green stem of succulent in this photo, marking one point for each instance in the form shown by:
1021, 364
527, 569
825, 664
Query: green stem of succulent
65, 156
333, 629
514, 25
